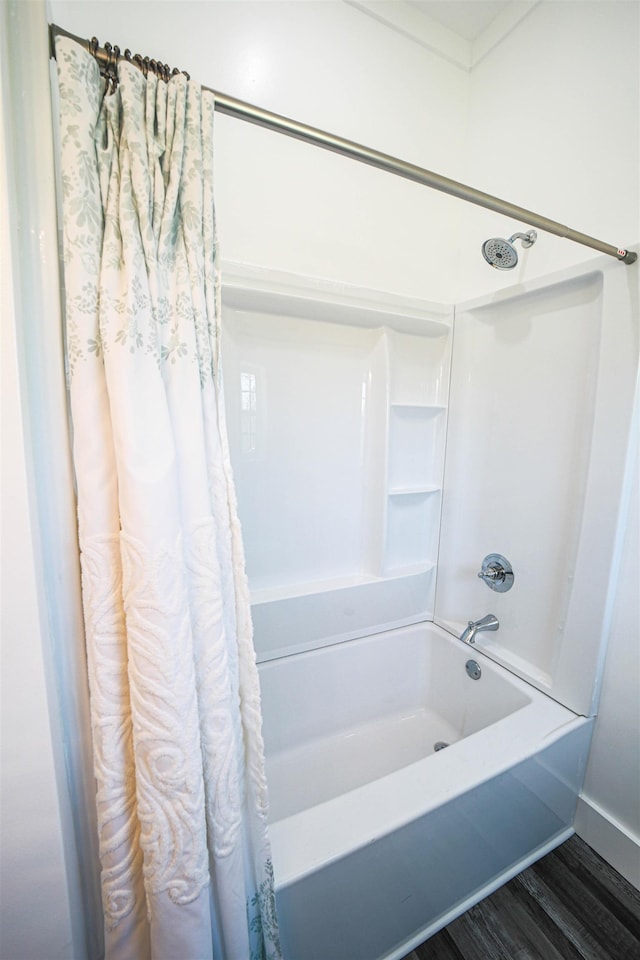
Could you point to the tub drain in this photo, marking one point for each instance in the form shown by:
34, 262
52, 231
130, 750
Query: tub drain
440, 745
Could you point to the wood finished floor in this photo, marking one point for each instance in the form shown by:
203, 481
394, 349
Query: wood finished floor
570, 905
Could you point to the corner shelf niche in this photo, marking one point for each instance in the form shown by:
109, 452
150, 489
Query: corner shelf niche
415, 466
416, 437
339, 490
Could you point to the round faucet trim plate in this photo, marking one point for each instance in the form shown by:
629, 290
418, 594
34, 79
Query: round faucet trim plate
497, 572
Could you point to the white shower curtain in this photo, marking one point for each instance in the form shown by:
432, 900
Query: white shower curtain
179, 762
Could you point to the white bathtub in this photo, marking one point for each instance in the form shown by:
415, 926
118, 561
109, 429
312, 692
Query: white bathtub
379, 840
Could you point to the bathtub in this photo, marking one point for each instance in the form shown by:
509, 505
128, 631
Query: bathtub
380, 834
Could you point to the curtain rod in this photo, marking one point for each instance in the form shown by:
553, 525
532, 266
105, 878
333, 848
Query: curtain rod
108, 57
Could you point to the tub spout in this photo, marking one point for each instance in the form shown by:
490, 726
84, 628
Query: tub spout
489, 622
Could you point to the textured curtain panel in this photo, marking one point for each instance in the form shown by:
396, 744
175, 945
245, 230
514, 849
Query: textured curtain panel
179, 762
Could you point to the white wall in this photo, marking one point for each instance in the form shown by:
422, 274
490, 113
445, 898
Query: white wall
33, 869
555, 128
49, 889
285, 204
609, 811
548, 120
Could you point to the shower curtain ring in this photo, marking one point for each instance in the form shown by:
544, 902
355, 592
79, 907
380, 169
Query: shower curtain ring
111, 68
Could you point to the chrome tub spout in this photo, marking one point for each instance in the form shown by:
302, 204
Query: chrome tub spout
489, 622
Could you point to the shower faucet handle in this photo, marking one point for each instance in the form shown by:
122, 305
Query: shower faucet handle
497, 572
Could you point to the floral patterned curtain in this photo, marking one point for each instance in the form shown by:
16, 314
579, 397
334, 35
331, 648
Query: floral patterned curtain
179, 761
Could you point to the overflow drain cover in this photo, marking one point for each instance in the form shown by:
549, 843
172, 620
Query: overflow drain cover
440, 745
473, 669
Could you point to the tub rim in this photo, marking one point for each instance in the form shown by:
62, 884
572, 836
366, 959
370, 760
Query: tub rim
311, 839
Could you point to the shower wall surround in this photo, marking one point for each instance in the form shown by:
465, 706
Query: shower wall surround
340, 402
337, 407
541, 373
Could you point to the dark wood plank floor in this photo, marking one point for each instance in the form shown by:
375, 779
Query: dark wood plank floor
570, 905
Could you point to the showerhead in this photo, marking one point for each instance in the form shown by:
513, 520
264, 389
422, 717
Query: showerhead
502, 254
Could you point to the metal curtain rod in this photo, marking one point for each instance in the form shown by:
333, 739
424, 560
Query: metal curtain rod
108, 57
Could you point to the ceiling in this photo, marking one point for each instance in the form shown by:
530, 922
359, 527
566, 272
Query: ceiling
462, 31
467, 18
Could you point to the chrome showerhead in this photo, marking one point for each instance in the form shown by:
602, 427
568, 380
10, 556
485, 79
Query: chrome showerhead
502, 254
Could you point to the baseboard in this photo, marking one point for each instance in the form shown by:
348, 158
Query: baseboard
609, 839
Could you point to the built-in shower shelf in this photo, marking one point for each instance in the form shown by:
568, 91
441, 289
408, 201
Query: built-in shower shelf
415, 454
314, 614
418, 409
409, 570
308, 587
409, 491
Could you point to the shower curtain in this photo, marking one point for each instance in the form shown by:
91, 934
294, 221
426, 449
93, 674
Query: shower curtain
175, 704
